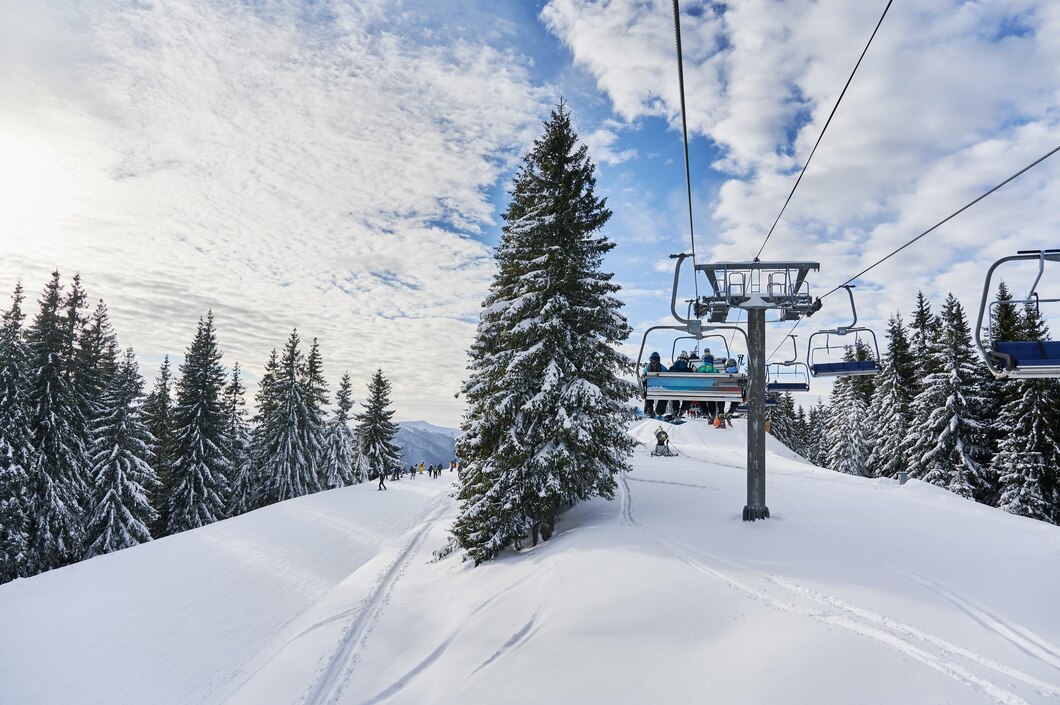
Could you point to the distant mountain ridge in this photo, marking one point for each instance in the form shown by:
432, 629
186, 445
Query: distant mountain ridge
424, 442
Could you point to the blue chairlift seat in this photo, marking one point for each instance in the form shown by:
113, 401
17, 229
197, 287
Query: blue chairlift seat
1033, 358
695, 386
845, 368
787, 387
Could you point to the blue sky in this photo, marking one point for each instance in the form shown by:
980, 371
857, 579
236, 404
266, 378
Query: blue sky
340, 166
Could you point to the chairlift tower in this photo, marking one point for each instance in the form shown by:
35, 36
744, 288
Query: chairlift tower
755, 287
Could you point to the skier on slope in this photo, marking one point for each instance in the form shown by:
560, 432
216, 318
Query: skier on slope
382, 477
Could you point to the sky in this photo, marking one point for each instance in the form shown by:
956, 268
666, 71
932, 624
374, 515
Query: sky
341, 167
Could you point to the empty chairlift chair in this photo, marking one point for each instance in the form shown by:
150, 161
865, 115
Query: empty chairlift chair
788, 376
851, 335
1018, 359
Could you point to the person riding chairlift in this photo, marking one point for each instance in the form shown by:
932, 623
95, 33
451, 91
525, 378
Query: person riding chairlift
654, 365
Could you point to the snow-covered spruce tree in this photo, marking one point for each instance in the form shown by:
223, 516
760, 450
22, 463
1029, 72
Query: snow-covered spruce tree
547, 415
946, 442
200, 468
376, 431
1029, 437
158, 417
923, 329
238, 436
802, 433
341, 455
16, 450
316, 400
1007, 324
59, 467
121, 513
1020, 481
845, 429
290, 449
96, 362
249, 492
889, 413
782, 420
816, 424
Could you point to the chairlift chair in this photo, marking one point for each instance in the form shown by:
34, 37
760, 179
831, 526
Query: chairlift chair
843, 368
1017, 359
789, 375
692, 386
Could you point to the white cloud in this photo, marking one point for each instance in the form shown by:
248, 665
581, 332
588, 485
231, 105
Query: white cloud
601, 147
325, 171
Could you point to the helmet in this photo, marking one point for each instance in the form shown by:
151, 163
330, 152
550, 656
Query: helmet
683, 355
654, 356
706, 351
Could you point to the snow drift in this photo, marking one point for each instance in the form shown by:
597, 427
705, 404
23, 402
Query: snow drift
855, 591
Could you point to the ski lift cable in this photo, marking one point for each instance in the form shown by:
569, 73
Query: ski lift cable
934, 227
823, 129
684, 136
784, 339
945, 220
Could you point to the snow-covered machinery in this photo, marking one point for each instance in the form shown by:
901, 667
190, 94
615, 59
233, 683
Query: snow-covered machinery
852, 336
662, 445
1016, 359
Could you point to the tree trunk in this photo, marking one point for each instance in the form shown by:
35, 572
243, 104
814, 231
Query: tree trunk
550, 521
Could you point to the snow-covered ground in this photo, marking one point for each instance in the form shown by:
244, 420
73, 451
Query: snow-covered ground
856, 591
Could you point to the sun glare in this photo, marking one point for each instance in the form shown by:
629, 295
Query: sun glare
35, 191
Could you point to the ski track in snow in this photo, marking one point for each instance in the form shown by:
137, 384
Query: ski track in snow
866, 623
678, 484
401, 683
329, 685
1018, 635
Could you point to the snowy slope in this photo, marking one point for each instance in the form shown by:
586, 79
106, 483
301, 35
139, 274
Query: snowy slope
857, 591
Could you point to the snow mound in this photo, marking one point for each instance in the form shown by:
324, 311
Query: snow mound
856, 591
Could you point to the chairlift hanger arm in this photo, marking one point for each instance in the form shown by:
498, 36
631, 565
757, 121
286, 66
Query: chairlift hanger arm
681, 257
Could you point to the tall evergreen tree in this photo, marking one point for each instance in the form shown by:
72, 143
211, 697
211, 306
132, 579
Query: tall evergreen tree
343, 463
57, 473
376, 430
1029, 437
238, 451
200, 467
845, 430
1006, 324
96, 361
890, 410
158, 417
316, 388
947, 443
923, 329
546, 424
782, 421
250, 490
817, 424
290, 449
121, 513
16, 450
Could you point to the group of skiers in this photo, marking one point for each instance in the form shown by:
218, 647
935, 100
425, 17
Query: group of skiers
433, 471
685, 362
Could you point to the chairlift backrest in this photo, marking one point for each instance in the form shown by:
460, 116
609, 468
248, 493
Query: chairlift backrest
843, 368
1016, 359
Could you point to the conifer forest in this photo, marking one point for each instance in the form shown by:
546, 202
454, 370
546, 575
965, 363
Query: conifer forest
93, 459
